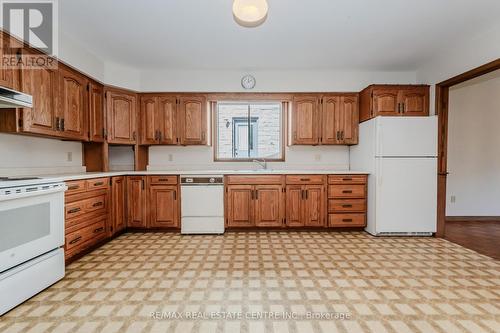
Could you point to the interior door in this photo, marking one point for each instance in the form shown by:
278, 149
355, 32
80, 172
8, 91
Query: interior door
305, 120
97, 120
72, 104
150, 120
168, 122
193, 112
330, 120
240, 206
294, 205
136, 195
163, 201
385, 102
314, 214
268, 205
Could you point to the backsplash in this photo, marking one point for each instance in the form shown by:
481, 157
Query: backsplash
201, 158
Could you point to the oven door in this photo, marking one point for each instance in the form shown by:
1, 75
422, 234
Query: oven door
31, 224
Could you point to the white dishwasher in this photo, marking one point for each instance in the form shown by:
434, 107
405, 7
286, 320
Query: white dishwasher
202, 204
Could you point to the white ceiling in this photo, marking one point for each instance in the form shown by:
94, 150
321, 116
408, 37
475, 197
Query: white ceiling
377, 35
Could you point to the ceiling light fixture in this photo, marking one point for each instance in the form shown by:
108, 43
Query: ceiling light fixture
250, 13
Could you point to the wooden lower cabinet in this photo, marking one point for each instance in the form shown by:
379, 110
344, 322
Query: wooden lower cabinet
347, 200
163, 206
305, 205
136, 202
118, 204
269, 205
240, 206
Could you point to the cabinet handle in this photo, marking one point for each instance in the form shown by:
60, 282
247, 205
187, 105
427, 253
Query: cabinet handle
346, 220
57, 124
74, 210
256, 194
133, 135
342, 135
163, 179
97, 204
159, 135
302, 195
175, 195
75, 240
295, 135
203, 135
98, 183
346, 206
338, 135
347, 191
307, 194
98, 230
346, 179
305, 179
73, 187
403, 107
62, 124
251, 195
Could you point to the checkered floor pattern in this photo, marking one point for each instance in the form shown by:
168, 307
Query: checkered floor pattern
269, 282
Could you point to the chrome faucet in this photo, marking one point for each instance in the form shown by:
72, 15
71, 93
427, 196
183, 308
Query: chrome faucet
262, 163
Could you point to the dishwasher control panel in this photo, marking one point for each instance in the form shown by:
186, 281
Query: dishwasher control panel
202, 180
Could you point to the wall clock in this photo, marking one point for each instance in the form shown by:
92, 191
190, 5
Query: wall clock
248, 82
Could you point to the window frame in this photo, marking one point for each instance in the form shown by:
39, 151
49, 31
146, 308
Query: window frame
215, 129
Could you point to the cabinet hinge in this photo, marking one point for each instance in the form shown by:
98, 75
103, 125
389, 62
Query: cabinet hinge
106, 94
88, 86
226, 189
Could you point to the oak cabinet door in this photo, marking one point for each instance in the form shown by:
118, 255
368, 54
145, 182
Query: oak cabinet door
294, 206
314, 203
97, 120
121, 117
240, 206
331, 121
268, 206
349, 120
136, 199
415, 102
305, 120
118, 204
163, 211
72, 104
193, 118
6, 73
168, 121
150, 120
42, 84
385, 102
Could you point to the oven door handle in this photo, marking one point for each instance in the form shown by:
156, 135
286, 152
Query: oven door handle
32, 194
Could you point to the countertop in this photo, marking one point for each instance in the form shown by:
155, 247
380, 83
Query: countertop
43, 179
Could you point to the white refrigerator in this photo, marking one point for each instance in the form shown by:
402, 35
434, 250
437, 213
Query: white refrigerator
401, 155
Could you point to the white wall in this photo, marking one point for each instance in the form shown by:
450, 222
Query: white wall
474, 147
24, 155
201, 158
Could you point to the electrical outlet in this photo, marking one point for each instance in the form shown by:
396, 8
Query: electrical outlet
170, 157
69, 156
453, 199
317, 157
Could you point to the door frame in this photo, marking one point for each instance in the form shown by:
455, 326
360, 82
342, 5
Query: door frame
442, 103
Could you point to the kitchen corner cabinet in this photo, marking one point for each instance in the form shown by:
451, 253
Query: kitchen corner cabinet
97, 118
72, 115
158, 120
137, 202
394, 100
325, 119
121, 112
118, 204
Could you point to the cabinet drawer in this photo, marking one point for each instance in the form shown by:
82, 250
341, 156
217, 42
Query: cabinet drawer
346, 220
346, 191
79, 237
346, 205
75, 186
305, 179
97, 184
254, 180
95, 204
347, 179
74, 209
163, 180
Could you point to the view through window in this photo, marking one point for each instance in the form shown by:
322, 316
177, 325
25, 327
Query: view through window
249, 130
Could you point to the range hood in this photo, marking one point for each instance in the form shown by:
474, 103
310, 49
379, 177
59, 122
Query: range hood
14, 99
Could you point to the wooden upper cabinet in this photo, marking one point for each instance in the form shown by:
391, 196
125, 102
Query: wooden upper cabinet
305, 121
97, 119
149, 120
330, 120
72, 110
193, 120
136, 202
167, 111
394, 100
349, 120
240, 208
163, 212
121, 116
42, 84
268, 206
6, 73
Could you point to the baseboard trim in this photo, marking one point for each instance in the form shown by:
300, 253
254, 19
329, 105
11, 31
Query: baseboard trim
471, 218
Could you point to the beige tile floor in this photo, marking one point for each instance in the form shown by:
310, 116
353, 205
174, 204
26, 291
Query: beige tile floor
378, 284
